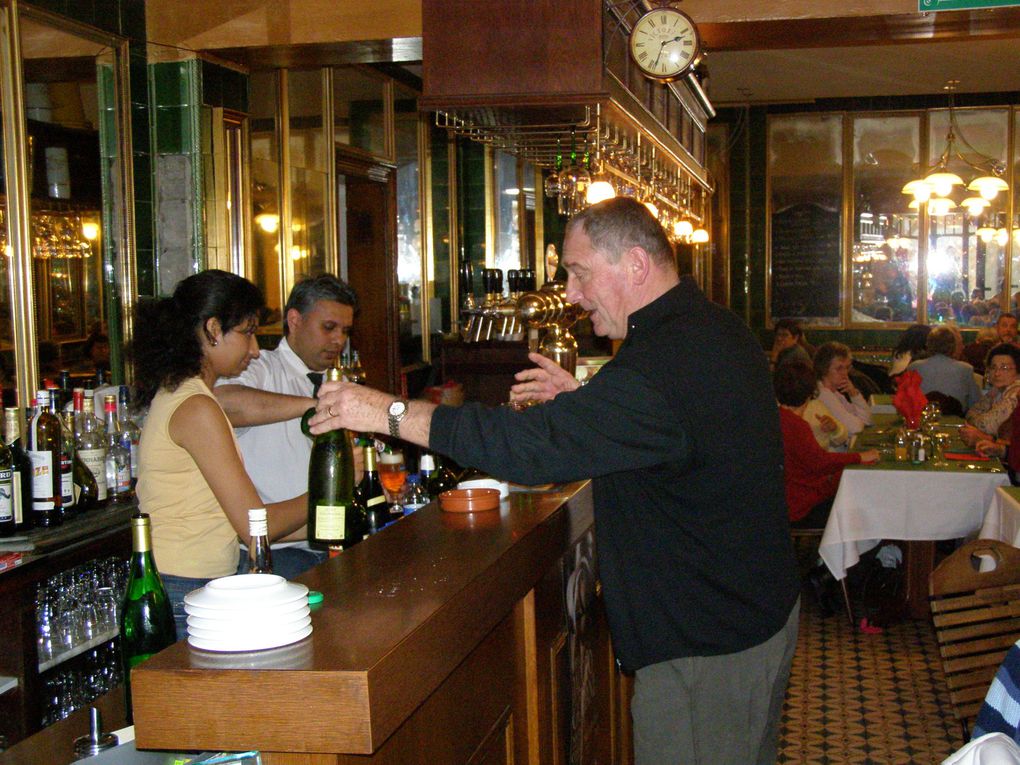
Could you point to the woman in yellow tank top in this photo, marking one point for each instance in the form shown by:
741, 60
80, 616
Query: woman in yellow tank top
191, 478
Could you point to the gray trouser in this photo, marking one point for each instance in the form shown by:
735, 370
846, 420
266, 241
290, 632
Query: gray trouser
714, 710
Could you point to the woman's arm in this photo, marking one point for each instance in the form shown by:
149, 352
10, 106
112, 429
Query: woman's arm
200, 427
989, 418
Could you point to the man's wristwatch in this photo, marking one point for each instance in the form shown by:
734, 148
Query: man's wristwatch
396, 413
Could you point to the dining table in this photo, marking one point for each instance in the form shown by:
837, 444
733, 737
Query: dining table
903, 501
1002, 520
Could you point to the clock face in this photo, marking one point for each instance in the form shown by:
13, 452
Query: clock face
664, 43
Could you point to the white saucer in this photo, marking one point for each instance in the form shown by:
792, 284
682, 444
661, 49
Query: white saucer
243, 599
273, 624
486, 483
250, 642
222, 635
285, 611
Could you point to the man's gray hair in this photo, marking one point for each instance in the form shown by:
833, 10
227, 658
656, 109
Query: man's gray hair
617, 224
311, 289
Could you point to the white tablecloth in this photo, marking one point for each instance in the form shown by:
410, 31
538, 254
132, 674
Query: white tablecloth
1002, 521
874, 504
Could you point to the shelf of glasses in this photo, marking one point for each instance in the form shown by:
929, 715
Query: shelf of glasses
7, 684
63, 656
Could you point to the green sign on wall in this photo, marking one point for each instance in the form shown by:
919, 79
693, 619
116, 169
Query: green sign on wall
962, 5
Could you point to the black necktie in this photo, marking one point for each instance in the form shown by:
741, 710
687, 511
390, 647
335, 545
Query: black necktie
316, 378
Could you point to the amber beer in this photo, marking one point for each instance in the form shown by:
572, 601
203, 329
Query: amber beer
392, 473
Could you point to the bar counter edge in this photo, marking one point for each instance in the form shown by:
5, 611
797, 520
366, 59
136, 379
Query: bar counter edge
432, 631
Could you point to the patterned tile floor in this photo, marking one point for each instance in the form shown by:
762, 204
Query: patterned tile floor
856, 698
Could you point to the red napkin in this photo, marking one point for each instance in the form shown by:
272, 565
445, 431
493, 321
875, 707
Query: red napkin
909, 400
966, 457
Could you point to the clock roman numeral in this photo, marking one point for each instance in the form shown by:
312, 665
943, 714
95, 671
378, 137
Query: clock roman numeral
643, 56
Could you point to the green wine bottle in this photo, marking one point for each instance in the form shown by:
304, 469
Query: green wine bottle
146, 618
334, 518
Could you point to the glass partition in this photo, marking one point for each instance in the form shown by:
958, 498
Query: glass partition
358, 110
409, 229
1014, 244
805, 166
967, 253
309, 176
886, 149
506, 206
265, 194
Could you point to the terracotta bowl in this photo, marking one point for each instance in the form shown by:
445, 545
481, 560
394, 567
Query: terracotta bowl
469, 500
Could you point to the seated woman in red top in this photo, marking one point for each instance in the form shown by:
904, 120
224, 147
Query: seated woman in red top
810, 473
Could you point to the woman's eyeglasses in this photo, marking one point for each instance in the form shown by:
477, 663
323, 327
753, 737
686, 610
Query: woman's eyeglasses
1002, 368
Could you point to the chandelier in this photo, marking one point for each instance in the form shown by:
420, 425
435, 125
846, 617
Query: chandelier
936, 187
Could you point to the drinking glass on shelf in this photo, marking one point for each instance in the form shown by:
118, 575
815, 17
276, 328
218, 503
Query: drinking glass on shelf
392, 476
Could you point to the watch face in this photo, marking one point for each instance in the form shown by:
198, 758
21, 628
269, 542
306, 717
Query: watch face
664, 43
397, 408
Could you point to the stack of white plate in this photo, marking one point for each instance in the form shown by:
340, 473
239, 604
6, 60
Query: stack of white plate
249, 612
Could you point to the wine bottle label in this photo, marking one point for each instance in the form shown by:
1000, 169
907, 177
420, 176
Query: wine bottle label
6, 496
377, 500
95, 461
19, 508
42, 480
134, 458
67, 481
330, 521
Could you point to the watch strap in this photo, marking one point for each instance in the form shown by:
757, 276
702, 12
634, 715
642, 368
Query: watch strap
395, 419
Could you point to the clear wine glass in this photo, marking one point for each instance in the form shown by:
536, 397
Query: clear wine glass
392, 476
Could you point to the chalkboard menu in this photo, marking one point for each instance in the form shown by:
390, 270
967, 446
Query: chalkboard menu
805, 263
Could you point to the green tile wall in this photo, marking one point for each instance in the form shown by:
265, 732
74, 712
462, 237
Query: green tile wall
471, 202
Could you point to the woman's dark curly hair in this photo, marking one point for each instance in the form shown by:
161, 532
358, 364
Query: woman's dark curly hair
166, 348
794, 383
1003, 349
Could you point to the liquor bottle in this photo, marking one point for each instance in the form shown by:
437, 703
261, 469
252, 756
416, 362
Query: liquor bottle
415, 495
332, 512
67, 496
370, 493
146, 617
127, 425
86, 489
90, 442
356, 372
260, 556
8, 469
118, 455
44, 440
23, 468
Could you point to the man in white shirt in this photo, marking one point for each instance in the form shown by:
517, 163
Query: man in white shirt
266, 402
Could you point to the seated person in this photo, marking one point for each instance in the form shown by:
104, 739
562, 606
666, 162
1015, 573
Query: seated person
830, 433
97, 350
941, 372
810, 474
990, 417
1007, 449
974, 353
789, 343
835, 389
909, 348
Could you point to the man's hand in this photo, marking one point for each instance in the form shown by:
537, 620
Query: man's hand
990, 448
827, 424
351, 406
971, 435
869, 456
542, 382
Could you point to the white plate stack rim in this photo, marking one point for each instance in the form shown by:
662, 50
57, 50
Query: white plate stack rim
247, 612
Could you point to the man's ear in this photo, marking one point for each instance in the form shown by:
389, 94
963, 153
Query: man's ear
638, 264
294, 319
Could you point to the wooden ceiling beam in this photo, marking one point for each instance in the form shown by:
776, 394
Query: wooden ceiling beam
848, 31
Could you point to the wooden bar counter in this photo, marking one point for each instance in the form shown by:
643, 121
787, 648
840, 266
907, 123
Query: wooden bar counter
447, 638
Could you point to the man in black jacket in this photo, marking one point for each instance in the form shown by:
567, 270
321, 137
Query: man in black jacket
680, 435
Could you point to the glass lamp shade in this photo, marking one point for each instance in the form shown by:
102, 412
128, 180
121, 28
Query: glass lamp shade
683, 228
599, 191
940, 206
652, 209
919, 189
988, 186
700, 236
1002, 237
975, 205
942, 183
986, 233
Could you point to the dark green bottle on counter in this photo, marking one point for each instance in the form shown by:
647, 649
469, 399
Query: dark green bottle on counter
335, 520
146, 618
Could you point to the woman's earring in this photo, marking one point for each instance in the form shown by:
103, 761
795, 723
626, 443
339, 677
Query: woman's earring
213, 343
